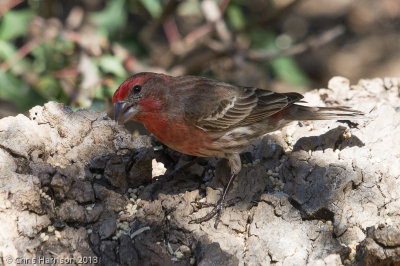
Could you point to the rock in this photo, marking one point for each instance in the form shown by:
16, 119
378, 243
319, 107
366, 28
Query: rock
369, 252
196, 169
127, 253
112, 201
81, 191
95, 241
107, 228
115, 172
152, 253
107, 250
60, 185
211, 254
98, 164
388, 236
270, 148
141, 170
29, 224
21, 190
158, 168
7, 163
94, 214
70, 211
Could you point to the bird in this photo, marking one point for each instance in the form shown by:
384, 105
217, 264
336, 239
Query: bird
204, 117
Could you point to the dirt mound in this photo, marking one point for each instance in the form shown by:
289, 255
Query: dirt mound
76, 186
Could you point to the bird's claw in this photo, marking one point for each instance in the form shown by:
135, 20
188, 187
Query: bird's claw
216, 211
218, 207
201, 204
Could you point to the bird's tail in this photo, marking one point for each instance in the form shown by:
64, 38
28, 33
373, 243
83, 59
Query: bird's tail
300, 112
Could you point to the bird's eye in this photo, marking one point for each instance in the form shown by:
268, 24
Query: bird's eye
137, 88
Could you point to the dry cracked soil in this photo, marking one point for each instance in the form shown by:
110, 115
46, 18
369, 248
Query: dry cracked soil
76, 187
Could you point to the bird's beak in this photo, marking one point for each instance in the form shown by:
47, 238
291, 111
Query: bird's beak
124, 111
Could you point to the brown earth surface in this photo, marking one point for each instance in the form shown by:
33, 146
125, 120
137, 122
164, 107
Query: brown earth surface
77, 185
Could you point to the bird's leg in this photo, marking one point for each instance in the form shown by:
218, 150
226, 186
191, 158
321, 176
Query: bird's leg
217, 210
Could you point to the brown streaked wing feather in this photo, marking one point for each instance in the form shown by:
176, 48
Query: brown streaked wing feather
217, 106
269, 103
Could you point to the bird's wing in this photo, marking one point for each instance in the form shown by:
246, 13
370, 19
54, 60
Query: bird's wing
217, 106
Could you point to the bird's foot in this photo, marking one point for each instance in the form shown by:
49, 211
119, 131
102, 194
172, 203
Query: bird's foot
218, 207
216, 211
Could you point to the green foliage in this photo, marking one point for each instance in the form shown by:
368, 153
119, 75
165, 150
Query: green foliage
287, 69
112, 18
14, 24
113, 65
154, 7
284, 68
7, 50
236, 17
52, 70
16, 91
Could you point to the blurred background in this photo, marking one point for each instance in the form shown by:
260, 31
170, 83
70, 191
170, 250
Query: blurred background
78, 52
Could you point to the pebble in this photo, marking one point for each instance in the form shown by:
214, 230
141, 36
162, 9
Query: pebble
179, 254
158, 168
353, 248
170, 249
131, 209
141, 230
57, 234
44, 237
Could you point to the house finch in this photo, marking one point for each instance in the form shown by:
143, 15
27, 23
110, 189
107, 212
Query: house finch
208, 118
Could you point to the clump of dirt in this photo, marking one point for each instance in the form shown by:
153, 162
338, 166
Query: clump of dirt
77, 186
